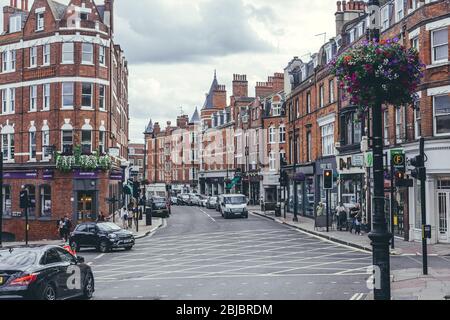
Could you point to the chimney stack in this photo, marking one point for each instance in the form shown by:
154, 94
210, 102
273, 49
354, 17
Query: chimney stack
240, 85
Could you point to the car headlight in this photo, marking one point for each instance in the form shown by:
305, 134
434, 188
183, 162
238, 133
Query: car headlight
112, 236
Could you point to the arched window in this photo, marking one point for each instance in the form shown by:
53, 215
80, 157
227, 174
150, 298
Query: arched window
45, 193
32, 196
8, 143
86, 139
67, 139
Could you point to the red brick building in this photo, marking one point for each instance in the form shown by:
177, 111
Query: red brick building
64, 93
136, 157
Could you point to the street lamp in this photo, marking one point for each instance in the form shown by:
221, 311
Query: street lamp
379, 236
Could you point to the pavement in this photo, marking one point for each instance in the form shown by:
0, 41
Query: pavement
402, 248
144, 231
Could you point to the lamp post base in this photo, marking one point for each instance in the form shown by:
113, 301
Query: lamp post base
381, 263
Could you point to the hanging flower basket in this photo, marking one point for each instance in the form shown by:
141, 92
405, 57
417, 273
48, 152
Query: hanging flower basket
382, 72
83, 162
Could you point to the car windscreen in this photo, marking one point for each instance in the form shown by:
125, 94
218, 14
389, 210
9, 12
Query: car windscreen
235, 200
108, 227
18, 257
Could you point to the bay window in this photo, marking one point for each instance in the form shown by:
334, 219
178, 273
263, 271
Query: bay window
68, 52
102, 55
439, 44
86, 95
88, 53
441, 107
67, 94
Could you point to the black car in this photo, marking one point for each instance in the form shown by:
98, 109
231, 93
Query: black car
160, 207
44, 273
104, 236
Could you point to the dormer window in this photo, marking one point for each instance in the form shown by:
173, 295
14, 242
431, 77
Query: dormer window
15, 23
276, 109
83, 16
40, 21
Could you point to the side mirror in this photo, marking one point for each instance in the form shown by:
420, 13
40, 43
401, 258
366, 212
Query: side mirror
80, 260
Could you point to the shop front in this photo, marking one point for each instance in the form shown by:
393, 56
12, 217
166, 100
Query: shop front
271, 185
351, 180
321, 193
302, 189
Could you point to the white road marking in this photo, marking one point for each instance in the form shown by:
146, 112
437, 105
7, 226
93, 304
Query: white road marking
208, 215
99, 256
357, 296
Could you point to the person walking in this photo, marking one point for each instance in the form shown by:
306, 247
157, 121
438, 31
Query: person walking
101, 217
124, 217
130, 218
67, 228
353, 214
358, 224
341, 215
60, 226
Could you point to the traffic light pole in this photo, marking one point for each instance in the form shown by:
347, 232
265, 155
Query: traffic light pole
392, 202
328, 210
423, 179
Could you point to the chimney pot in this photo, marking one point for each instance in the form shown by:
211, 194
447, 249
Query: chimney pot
344, 6
339, 6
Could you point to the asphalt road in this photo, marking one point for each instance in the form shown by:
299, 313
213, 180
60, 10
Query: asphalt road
200, 255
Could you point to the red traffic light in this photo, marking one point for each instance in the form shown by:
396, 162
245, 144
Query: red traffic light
399, 175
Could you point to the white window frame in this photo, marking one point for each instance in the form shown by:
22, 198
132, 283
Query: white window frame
385, 17
9, 154
399, 10
66, 84
90, 54
8, 101
434, 116
386, 126
331, 91
46, 93
33, 57
66, 129
85, 95
282, 133
33, 98
12, 60
5, 107
12, 100
86, 129
276, 109
272, 161
68, 48
272, 135
5, 60
102, 55
399, 122
46, 54
308, 102
40, 21
16, 22
327, 134
102, 141
415, 43
45, 143
32, 146
433, 57
417, 118
321, 96
102, 98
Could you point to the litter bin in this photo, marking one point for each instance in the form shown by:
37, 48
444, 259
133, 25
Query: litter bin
278, 210
148, 217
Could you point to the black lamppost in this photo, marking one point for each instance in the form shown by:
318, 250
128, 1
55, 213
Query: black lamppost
380, 236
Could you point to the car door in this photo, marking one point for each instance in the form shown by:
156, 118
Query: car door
72, 277
56, 271
80, 235
92, 235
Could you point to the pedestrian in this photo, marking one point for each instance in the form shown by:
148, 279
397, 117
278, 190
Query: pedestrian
60, 226
101, 217
124, 217
67, 228
130, 219
320, 209
353, 214
341, 214
358, 224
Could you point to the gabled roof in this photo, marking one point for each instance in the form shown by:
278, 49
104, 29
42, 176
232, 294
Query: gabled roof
58, 9
195, 117
209, 97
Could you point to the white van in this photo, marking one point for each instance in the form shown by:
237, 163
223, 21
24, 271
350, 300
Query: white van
233, 205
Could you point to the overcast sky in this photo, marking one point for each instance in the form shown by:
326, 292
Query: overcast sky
174, 46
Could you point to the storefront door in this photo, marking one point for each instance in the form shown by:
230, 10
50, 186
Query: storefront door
444, 215
85, 206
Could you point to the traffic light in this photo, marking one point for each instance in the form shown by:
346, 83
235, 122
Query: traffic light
136, 190
24, 201
418, 163
328, 179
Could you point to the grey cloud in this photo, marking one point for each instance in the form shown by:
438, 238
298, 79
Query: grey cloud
173, 32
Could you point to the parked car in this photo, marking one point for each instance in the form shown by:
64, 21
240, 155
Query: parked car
203, 201
160, 207
174, 201
42, 273
195, 199
184, 199
104, 236
233, 205
211, 203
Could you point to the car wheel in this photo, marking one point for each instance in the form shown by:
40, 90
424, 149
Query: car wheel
49, 293
128, 248
89, 288
103, 247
